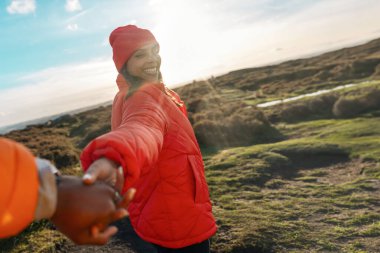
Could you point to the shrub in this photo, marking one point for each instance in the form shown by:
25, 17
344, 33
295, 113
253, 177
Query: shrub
49, 143
240, 128
246, 131
295, 112
371, 100
327, 106
93, 133
322, 105
214, 115
347, 107
210, 133
65, 120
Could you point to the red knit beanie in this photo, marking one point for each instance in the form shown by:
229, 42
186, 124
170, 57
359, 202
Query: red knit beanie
125, 40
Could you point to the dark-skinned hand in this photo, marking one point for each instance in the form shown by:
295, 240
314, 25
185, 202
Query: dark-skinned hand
84, 212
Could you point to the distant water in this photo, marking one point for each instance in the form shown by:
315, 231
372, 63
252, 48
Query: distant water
276, 102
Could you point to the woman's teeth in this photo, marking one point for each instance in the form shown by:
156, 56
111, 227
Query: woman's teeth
151, 71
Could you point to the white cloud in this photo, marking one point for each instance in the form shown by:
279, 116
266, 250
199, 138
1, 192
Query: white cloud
72, 27
21, 6
73, 5
59, 89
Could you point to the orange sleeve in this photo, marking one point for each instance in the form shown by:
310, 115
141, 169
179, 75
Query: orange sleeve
18, 187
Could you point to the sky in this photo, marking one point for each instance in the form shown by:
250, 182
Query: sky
55, 55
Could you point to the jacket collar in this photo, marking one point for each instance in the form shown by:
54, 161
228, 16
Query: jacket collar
121, 83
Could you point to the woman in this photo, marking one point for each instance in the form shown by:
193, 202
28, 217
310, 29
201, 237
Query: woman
154, 144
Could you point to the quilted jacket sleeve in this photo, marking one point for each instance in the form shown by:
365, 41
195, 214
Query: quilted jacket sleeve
18, 187
136, 143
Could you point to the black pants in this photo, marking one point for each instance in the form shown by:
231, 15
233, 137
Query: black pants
203, 247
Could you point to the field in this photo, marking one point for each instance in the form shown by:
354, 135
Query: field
297, 177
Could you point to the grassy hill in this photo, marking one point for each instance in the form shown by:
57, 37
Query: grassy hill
297, 177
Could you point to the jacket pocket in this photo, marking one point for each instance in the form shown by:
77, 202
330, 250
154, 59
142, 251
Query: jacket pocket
201, 189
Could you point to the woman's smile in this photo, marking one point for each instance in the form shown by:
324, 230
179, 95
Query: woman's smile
151, 71
145, 63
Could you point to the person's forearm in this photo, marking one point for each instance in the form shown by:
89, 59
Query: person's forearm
47, 191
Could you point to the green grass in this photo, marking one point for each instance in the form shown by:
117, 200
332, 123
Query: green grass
359, 136
290, 204
38, 237
289, 196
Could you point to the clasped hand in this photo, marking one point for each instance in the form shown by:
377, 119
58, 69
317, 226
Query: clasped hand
86, 207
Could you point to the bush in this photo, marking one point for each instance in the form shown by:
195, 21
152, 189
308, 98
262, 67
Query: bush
371, 100
349, 107
202, 103
96, 131
49, 143
317, 107
245, 131
210, 133
220, 122
65, 120
241, 128
322, 105
295, 112
213, 115
62, 155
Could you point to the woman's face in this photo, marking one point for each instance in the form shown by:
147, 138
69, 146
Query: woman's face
145, 63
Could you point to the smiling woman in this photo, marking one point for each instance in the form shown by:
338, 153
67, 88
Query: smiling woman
153, 144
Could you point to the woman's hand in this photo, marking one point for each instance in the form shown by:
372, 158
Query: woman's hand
84, 212
107, 171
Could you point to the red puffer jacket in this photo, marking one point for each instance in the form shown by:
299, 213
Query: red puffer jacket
157, 148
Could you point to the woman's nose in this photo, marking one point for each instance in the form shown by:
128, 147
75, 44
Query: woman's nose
154, 57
